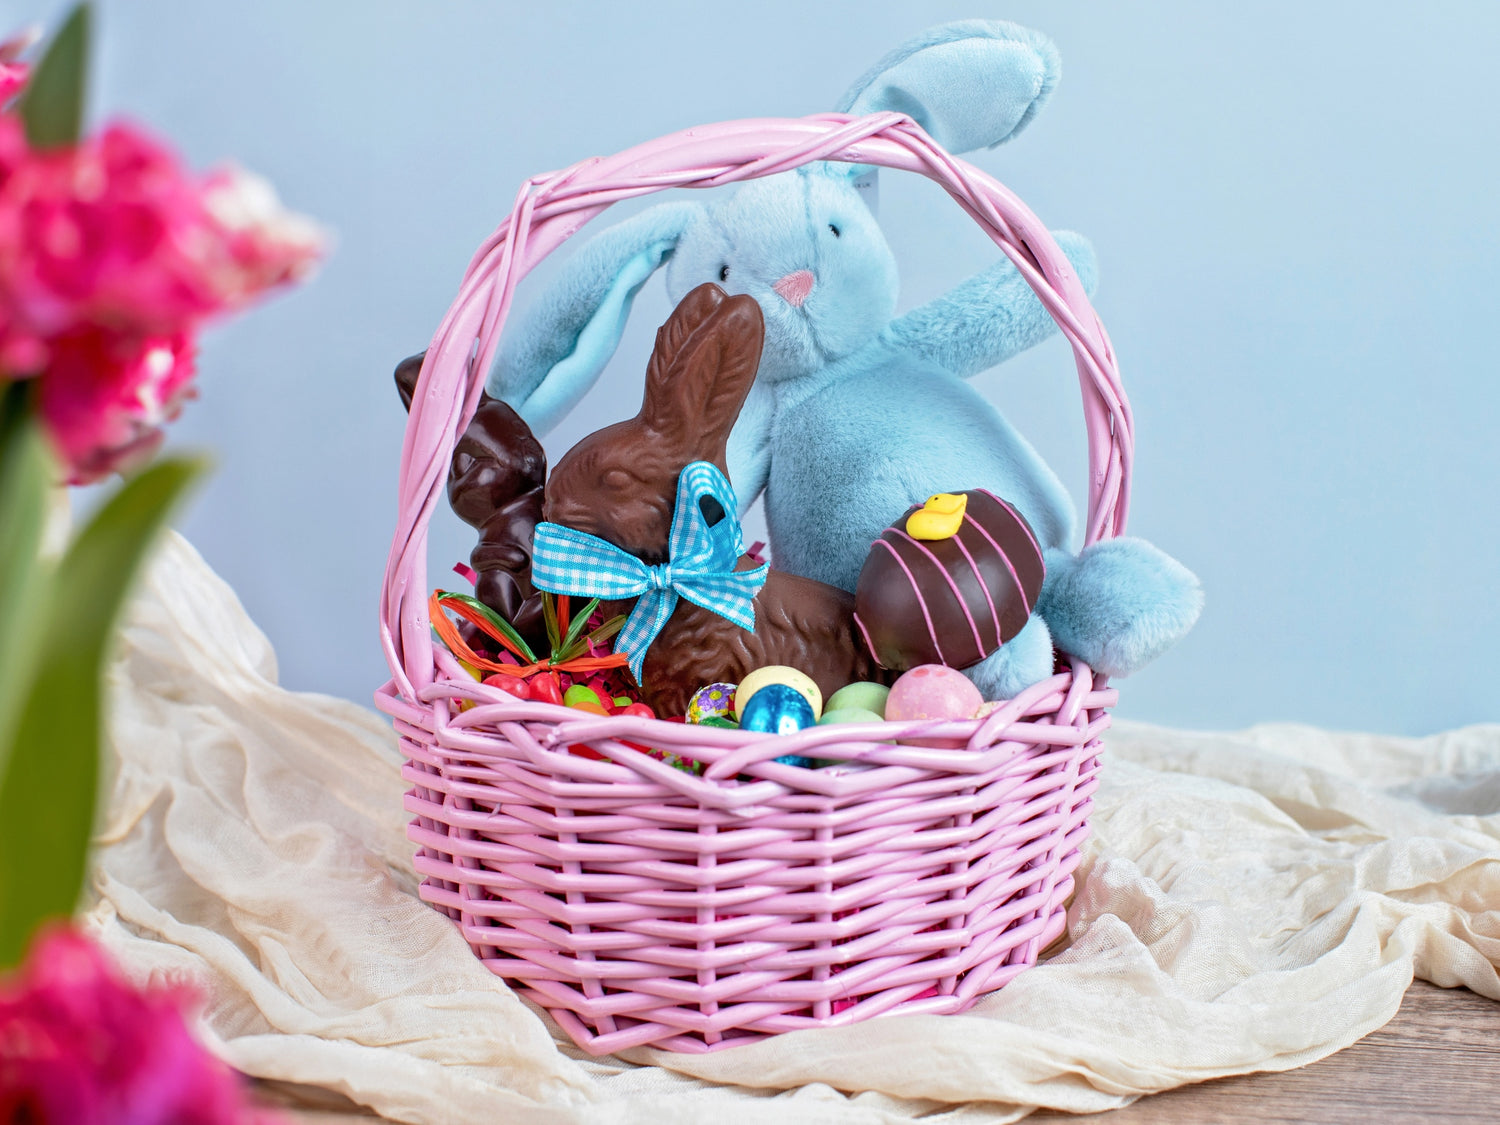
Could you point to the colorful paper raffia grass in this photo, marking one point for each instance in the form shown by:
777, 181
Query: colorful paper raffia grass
571, 652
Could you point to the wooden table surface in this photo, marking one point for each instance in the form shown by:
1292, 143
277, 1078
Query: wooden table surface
1438, 1060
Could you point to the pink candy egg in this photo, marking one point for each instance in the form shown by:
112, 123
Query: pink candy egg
932, 691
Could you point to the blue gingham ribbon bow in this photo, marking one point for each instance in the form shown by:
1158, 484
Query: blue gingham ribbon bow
699, 567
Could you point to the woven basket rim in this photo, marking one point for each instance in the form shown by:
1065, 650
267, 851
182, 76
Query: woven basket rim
740, 768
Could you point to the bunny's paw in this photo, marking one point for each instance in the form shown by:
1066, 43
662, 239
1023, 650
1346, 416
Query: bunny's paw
1118, 604
1023, 660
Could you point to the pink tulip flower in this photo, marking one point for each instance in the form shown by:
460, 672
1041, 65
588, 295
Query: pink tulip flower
111, 258
80, 1046
13, 72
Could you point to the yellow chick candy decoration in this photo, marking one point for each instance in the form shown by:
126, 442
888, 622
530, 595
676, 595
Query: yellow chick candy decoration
939, 518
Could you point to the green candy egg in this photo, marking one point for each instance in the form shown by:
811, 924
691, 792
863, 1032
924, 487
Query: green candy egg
849, 715
719, 721
866, 697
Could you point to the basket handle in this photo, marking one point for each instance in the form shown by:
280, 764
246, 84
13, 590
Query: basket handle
551, 208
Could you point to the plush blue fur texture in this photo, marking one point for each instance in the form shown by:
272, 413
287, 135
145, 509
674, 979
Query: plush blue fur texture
1024, 660
854, 416
550, 360
989, 78
850, 451
1118, 604
772, 227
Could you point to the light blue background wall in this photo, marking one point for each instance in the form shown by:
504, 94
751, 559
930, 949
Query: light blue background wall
1293, 206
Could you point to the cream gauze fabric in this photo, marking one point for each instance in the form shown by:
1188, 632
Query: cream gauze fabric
1249, 901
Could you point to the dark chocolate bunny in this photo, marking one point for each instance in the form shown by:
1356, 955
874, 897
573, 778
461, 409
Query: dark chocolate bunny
495, 483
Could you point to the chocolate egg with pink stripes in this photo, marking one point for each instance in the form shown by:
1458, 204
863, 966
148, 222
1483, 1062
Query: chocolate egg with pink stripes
949, 582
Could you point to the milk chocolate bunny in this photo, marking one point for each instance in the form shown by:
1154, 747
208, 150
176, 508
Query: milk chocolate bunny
626, 485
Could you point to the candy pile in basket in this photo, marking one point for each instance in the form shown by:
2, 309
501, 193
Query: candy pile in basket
677, 796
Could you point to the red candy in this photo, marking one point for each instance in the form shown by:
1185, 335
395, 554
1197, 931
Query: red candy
545, 688
513, 684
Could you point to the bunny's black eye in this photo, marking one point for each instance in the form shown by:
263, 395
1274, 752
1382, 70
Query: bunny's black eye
834, 229
723, 273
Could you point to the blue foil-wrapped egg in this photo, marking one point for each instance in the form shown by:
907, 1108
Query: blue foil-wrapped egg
779, 709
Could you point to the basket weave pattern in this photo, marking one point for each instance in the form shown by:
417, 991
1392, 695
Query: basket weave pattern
641, 904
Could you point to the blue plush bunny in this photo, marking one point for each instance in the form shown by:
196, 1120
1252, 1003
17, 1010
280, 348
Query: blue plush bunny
855, 415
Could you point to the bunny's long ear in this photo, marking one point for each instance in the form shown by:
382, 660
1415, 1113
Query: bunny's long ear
971, 84
550, 359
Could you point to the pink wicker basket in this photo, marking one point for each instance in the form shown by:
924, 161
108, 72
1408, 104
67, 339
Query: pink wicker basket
640, 904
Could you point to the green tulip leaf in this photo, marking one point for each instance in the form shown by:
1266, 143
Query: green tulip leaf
52, 104
49, 792
26, 470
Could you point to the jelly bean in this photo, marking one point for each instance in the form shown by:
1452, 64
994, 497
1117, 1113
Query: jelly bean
637, 710
579, 694
512, 684
545, 688
588, 706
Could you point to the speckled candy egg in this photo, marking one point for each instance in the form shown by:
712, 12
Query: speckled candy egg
778, 674
716, 701
932, 691
952, 599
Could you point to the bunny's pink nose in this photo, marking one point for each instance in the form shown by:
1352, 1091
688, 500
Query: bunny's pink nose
795, 287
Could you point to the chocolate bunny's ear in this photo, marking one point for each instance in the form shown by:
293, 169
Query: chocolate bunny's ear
406, 377
701, 369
